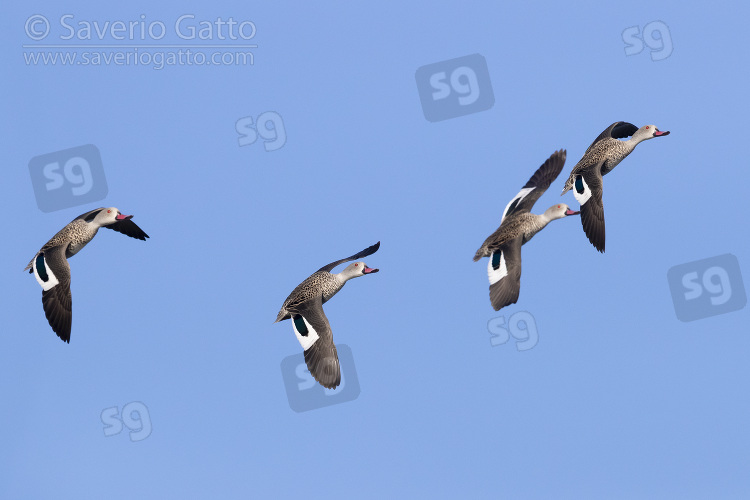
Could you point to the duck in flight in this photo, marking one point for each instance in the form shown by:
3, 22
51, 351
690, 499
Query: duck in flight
304, 307
517, 227
50, 264
604, 154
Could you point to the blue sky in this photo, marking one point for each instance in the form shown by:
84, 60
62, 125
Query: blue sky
618, 398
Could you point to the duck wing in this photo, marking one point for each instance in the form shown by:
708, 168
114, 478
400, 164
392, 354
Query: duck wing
52, 271
618, 130
128, 228
504, 271
313, 332
537, 184
359, 255
587, 188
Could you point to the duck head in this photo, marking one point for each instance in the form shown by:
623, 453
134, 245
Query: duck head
108, 216
357, 269
559, 211
648, 132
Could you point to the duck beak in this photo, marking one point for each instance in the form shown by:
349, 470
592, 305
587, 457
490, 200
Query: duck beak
123, 217
369, 270
571, 212
659, 133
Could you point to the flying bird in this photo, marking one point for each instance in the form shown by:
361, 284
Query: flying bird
517, 227
50, 264
305, 307
604, 154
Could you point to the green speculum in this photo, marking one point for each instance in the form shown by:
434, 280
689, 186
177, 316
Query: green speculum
300, 325
496, 259
41, 268
579, 184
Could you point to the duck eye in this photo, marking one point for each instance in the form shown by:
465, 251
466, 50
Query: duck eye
355, 265
647, 127
109, 211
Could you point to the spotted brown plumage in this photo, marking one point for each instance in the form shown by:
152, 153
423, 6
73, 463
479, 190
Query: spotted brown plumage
52, 271
310, 324
603, 155
517, 227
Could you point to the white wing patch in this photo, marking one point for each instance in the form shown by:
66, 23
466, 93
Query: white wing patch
501, 272
517, 198
310, 339
52, 280
584, 197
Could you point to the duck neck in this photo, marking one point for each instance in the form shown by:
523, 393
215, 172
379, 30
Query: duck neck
542, 220
342, 278
332, 285
537, 224
631, 143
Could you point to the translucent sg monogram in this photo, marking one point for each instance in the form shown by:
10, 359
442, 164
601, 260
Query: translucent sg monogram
455, 87
68, 178
707, 287
134, 416
655, 36
521, 326
269, 126
305, 393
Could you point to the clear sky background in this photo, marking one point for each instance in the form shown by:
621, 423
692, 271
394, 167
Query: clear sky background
618, 398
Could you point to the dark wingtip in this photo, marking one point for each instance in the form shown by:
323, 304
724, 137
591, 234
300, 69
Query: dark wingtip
598, 248
370, 250
594, 243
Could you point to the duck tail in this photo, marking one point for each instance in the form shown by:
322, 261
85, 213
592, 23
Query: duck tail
570, 182
28, 266
283, 314
482, 252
